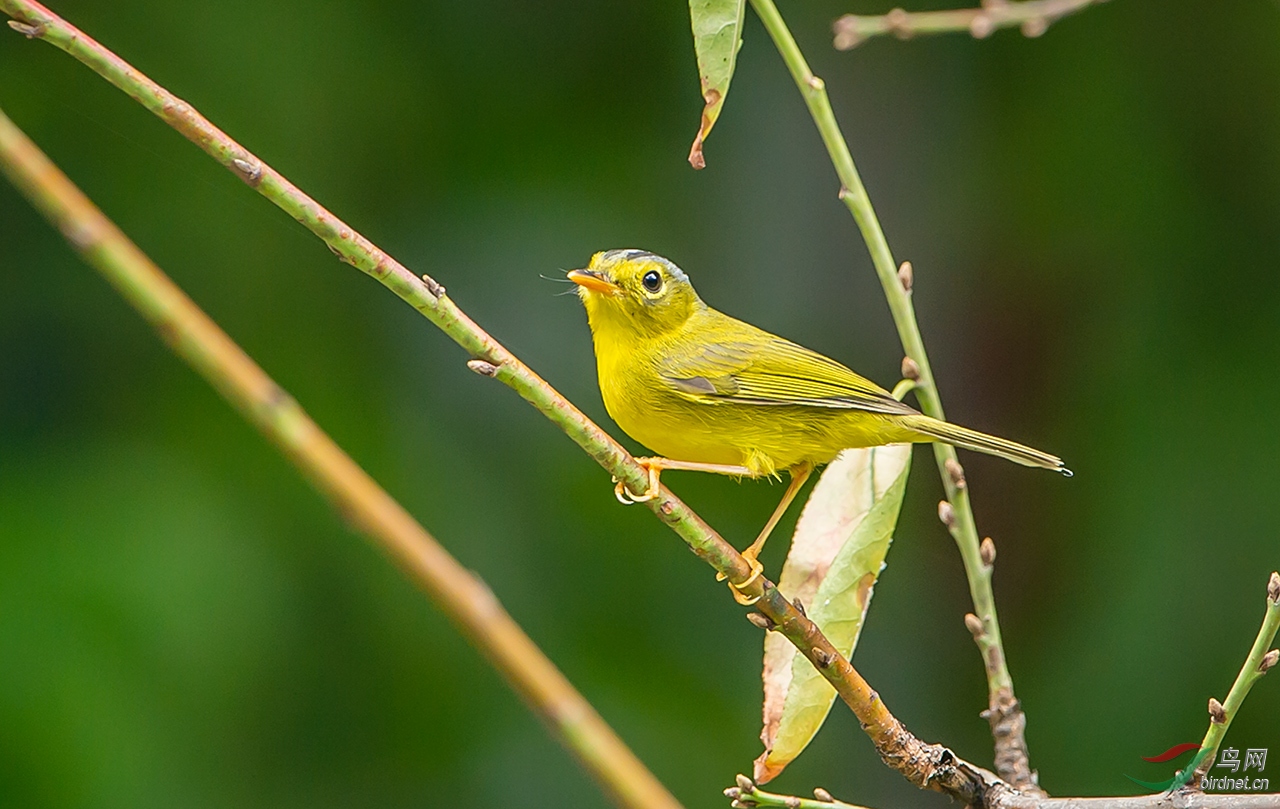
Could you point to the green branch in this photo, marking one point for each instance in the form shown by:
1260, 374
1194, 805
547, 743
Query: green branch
1261, 659
926, 765
1006, 716
1033, 16
205, 347
746, 795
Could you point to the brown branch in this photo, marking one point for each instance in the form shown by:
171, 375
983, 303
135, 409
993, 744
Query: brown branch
1001, 796
210, 351
1033, 16
926, 765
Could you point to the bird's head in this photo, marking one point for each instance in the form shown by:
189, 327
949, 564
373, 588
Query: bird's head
634, 292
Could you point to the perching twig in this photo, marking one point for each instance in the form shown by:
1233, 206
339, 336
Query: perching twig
1000, 798
1004, 711
463, 596
1033, 16
926, 765
1261, 659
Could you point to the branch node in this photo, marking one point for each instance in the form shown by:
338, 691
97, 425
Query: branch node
846, 32
483, 367
910, 369
795, 602
981, 26
1035, 27
34, 30
80, 233
988, 552
899, 22
1217, 714
433, 286
974, 624
762, 621
822, 658
1273, 588
956, 472
745, 784
822, 795
1269, 661
249, 171
947, 513
906, 276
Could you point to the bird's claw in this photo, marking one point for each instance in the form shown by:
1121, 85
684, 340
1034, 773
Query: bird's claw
627, 497
735, 589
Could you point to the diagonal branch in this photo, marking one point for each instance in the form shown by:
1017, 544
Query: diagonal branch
926, 765
205, 347
1258, 663
1004, 712
1033, 16
1182, 792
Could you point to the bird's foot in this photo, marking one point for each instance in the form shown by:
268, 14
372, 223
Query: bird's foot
627, 497
736, 589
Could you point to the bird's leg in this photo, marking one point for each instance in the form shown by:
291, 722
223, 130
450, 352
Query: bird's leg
655, 466
799, 474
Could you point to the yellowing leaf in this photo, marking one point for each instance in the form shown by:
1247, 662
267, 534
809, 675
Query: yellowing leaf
835, 558
717, 35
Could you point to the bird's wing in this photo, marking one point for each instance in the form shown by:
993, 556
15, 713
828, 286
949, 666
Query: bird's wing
751, 366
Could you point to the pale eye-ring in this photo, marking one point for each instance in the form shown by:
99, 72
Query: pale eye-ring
652, 281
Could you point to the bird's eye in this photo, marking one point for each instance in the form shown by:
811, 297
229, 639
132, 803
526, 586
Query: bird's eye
652, 281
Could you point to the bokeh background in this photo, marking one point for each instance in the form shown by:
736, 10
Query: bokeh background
1093, 221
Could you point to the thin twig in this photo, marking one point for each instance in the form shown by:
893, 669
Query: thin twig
1005, 713
463, 596
1033, 16
746, 795
1165, 800
424, 294
1262, 658
926, 765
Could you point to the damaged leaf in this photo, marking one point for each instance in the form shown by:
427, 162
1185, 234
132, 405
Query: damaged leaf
836, 556
717, 35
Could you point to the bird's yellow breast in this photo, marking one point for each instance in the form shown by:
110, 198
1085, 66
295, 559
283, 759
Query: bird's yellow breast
763, 439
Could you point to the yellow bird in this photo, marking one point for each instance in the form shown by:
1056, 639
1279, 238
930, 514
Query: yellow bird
711, 393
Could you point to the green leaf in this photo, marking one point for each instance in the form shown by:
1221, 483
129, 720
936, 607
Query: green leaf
717, 35
836, 556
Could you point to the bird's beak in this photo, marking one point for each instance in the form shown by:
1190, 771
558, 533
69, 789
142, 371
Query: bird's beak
594, 281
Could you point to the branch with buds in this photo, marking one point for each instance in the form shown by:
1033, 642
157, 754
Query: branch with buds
1261, 659
926, 765
898, 281
1032, 16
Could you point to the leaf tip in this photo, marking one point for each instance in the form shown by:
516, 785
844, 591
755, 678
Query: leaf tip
765, 770
695, 153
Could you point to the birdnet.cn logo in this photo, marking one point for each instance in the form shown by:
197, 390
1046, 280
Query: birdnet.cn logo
1234, 771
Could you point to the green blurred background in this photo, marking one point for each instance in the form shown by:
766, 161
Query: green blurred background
1093, 221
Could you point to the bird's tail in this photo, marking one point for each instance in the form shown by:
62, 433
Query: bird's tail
981, 442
